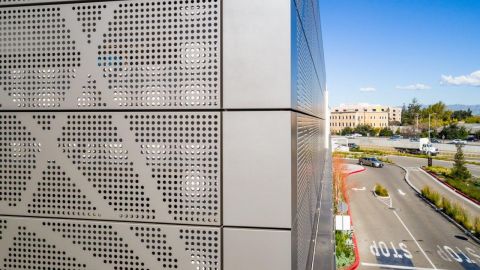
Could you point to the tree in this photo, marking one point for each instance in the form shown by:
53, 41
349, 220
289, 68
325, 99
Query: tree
459, 170
346, 131
462, 115
453, 131
365, 130
410, 113
386, 132
477, 134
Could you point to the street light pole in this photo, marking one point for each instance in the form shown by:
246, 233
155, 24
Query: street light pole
429, 125
429, 139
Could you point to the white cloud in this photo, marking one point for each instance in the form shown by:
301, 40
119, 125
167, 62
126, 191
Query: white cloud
417, 86
473, 79
368, 89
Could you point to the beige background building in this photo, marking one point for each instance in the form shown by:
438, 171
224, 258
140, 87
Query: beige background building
353, 115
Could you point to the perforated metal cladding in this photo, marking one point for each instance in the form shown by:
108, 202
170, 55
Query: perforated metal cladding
67, 244
203, 247
307, 83
88, 15
3, 226
29, 251
183, 152
57, 195
163, 54
92, 143
45, 120
25, 2
120, 54
162, 167
308, 70
18, 158
38, 57
308, 177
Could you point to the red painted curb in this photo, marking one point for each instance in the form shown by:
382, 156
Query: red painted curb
356, 263
452, 187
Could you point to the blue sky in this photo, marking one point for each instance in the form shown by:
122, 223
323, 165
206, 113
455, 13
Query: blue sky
390, 51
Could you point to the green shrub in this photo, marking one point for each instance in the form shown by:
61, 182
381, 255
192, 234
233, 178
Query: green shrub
476, 226
381, 190
426, 191
344, 252
453, 210
433, 196
439, 170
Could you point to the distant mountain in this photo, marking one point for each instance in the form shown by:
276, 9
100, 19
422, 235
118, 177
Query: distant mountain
456, 107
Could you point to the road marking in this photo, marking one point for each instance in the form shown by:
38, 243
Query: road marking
401, 192
359, 189
415, 240
451, 191
395, 266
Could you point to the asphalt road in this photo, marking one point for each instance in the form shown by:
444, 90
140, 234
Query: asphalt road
471, 148
403, 232
421, 179
418, 162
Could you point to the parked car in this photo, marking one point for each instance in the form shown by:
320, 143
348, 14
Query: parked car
396, 137
371, 161
458, 141
414, 139
472, 139
435, 140
353, 146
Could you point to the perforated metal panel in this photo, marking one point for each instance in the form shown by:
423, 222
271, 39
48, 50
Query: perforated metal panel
308, 71
119, 166
308, 174
74, 245
29, 2
111, 55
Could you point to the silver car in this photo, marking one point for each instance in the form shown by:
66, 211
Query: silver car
370, 161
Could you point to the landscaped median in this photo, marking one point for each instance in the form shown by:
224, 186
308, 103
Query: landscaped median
453, 210
469, 188
346, 248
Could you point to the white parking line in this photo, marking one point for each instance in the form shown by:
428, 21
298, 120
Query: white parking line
415, 240
451, 191
395, 266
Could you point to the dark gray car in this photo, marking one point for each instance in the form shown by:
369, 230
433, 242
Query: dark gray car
370, 161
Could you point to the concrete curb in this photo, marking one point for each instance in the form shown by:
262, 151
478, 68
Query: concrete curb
356, 263
451, 187
468, 233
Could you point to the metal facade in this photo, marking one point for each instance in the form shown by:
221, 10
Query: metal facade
160, 134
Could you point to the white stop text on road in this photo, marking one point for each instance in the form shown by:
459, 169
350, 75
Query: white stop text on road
383, 249
449, 254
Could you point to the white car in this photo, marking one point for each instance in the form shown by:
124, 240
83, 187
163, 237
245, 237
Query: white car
458, 141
